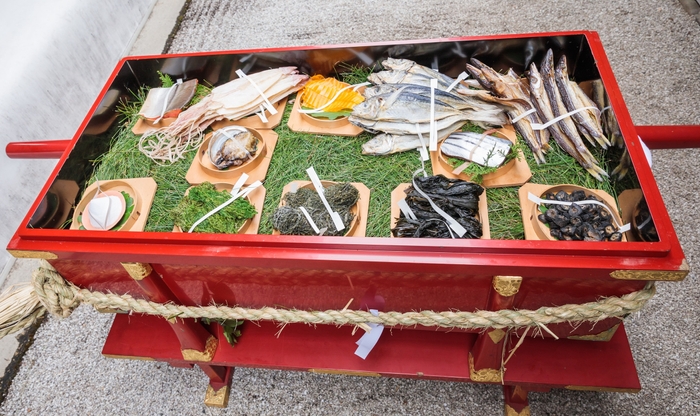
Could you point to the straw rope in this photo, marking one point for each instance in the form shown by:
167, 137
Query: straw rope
60, 297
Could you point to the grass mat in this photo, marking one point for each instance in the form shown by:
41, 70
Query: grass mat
339, 159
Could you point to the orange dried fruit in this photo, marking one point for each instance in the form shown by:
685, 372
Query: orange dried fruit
319, 90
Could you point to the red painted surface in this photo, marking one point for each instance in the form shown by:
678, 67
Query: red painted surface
405, 274
669, 137
399, 353
46, 149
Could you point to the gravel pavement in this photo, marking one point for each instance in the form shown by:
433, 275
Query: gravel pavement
654, 49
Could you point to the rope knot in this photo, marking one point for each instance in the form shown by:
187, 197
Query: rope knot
54, 292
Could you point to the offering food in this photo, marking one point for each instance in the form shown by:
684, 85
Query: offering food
579, 220
232, 146
232, 101
549, 95
481, 149
167, 102
457, 198
290, 218
203, 198
328, 97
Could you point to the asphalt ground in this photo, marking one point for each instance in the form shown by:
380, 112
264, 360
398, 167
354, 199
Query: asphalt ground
654, 50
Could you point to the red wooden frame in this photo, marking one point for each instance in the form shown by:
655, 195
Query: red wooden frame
398, 274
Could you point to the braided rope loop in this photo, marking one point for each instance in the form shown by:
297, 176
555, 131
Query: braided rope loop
60, 297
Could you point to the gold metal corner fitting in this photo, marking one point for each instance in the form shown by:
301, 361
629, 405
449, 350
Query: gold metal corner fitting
507, 286
26, 254
509, 411
137, 271
604, 336
663, 275
485, 375
202, 356
496, 335
217, 398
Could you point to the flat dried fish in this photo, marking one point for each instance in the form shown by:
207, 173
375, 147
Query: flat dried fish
482, 149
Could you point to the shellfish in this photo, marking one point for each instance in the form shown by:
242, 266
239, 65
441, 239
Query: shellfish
232, 146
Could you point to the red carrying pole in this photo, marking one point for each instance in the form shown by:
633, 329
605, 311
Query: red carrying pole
46, 149
669, 137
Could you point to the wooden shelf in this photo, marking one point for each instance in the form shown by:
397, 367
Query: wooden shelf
538, 363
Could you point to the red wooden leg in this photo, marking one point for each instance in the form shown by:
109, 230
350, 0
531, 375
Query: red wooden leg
487, 354
219, 384
516, 401
196, 343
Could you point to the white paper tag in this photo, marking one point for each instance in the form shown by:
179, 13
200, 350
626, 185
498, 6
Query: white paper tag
521, 116
536, 126
424, 156
433, 130
239, 183
459, 79
267, 103
240, 194
310, 220
407, 211
367, 342
337, 221
261, 114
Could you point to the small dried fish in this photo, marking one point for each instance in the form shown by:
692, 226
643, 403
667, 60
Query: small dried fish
608, 119
544, 108
588, 122
482, 149
508, 91
567, 125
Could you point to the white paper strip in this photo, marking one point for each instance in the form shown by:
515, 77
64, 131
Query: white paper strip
261, 114
320, 109
407, 211
432, 136
268, 104
422, 149
525, 114
459, 79
536, 126
539, 201
310, 220
367, 342
241, 194
337, 221
239, 183
457, 227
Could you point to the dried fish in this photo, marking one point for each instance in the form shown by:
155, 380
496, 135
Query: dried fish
608, 119
482, 149
566, 124
508, 91
588, 124
386, 144
544, 108
478, 110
